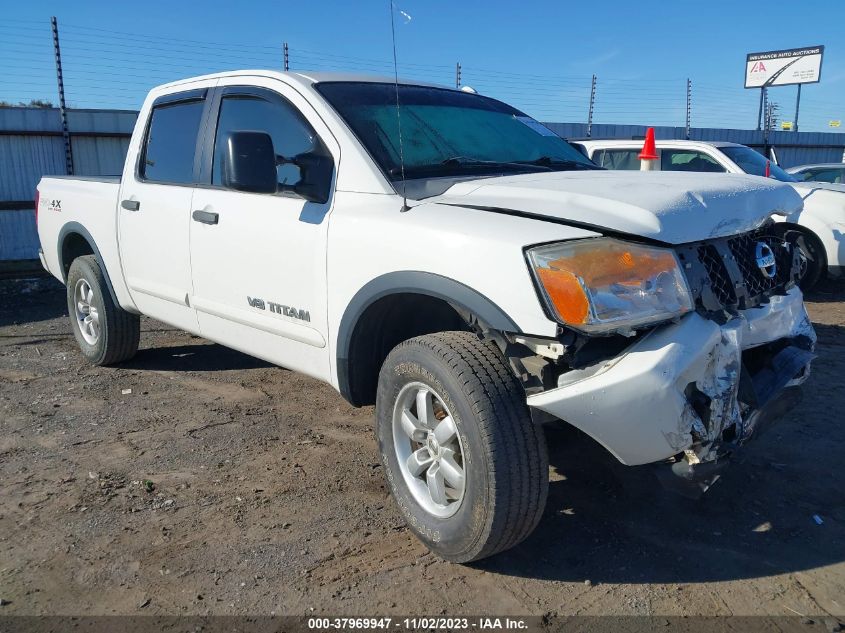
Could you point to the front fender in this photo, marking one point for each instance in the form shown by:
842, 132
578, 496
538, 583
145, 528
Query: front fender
470, 303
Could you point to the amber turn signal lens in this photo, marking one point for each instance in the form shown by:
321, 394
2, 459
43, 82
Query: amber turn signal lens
566, 294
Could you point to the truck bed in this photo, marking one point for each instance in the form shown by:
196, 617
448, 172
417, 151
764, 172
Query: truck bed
83, 204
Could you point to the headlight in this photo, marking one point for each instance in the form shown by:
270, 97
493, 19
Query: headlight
601, 285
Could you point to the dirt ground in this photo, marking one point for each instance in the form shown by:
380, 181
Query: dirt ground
223, 485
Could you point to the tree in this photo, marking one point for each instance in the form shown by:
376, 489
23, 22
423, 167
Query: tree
33, 103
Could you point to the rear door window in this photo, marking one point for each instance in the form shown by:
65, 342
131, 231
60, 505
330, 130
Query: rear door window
171, 143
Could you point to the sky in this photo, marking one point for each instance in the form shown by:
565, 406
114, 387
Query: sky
538, 56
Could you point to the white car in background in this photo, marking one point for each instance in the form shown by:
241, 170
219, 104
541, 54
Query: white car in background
833, 173
818, 228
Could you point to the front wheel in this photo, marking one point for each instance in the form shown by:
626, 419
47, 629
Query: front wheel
465, 462
813, 260
106, 333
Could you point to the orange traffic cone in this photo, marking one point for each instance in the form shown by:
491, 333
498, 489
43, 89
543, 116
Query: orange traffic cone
649, 153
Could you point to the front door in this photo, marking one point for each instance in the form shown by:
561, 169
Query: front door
259, 260
155, 207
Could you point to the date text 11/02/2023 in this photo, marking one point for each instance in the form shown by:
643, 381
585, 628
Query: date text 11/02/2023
417, 623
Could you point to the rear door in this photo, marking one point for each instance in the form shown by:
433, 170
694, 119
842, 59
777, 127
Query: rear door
155, 207
259, 260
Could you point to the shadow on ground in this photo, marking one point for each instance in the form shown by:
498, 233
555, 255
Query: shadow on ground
202, 356
827, 291
31, 300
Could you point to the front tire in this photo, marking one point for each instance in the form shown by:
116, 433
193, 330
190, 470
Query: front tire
106, 333
814, 260
465, 462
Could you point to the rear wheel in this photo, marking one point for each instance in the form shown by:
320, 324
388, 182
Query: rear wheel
464, 460
106, 333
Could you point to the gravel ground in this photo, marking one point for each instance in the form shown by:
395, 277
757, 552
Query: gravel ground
197, 480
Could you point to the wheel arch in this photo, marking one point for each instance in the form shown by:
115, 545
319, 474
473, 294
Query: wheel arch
75, 241
782, 227
448, 304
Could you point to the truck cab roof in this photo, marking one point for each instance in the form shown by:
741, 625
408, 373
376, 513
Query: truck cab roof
302, 78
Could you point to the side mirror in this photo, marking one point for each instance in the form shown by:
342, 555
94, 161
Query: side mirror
316, 170
249, 163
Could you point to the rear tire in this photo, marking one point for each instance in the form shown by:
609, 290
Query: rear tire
106, 333
499, 495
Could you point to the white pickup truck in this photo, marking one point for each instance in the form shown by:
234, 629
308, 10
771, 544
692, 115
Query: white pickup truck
452, 262
818, 227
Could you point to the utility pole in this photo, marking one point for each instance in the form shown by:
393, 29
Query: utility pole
773, 116
797, 106
766, 119
62, 109
458, 75
689, 105
592, 106
287, 59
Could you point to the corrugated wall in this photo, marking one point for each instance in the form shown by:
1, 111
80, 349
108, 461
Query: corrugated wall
31, 146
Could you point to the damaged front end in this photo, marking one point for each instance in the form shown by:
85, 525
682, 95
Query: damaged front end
687, 394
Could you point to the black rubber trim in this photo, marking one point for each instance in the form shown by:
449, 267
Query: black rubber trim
186, 95
453, 292
76, 227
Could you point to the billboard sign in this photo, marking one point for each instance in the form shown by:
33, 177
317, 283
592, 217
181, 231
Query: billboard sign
784, 68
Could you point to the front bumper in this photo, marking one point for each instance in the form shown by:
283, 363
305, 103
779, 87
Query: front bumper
694, 387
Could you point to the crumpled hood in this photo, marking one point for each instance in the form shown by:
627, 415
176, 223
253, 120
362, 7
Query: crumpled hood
669, 207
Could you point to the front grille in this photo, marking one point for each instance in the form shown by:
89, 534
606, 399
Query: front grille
724, 274
720, 280
743, 250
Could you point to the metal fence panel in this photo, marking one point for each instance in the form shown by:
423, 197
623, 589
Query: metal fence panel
23, 160
18, 235
101, 121
99, 155
31, 146
30, 119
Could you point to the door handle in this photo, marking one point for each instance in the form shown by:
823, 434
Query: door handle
206, 217
131, 205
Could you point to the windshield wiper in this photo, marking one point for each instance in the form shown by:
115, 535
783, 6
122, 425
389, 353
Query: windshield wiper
462, 164
551, 163
470, 162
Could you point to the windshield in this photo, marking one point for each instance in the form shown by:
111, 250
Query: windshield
446, 132
754, 163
